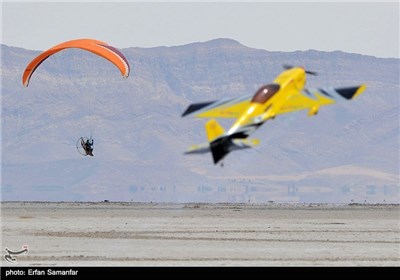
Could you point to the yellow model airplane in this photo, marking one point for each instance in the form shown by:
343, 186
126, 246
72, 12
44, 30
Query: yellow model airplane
286, 94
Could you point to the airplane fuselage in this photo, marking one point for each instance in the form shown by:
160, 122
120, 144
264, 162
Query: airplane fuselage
267, 102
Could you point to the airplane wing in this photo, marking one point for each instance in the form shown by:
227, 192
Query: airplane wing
312, 99
226, 108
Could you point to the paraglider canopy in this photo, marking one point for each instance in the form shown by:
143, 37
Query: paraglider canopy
97, 47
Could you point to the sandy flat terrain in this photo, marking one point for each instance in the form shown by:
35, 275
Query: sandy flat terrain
132, 234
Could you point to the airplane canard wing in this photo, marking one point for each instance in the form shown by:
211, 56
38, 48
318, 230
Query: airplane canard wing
312, 99
227, 108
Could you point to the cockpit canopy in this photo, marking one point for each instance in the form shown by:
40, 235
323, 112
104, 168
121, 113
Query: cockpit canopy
265, 93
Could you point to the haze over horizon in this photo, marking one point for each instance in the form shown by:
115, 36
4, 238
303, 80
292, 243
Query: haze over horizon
349, 27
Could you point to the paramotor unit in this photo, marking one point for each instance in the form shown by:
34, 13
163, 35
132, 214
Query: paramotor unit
84, 146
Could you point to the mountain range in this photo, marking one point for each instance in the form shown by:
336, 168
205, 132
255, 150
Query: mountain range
348, 153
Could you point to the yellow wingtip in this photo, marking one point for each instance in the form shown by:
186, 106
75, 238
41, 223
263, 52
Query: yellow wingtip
255, 141
360, 90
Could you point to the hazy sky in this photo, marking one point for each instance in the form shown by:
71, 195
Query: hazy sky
367, 28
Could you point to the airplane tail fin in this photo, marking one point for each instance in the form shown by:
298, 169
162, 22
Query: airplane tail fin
213, 130
220, 148
220, 144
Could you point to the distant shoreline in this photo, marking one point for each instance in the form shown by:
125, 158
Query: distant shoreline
201, 205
